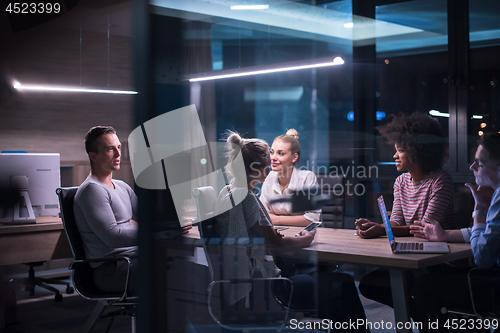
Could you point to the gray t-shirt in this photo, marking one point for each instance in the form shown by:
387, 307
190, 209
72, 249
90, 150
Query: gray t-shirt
103, 216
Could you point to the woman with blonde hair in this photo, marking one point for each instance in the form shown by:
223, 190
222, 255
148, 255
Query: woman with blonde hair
241, 215
286, 178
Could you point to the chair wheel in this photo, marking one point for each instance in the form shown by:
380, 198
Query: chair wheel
59, 298
69, 290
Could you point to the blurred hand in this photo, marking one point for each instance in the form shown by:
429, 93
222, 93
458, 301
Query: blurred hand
431, 231
369, 229
305, 233
363, 224
186, 229
482, 195
276, 229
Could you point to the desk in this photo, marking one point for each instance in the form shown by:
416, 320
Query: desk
340, 245
42, 241
23, 243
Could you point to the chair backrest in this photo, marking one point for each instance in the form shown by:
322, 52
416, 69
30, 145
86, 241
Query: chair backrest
206, 199
333, 214
83, 277
205, 206
66, 198
264, 311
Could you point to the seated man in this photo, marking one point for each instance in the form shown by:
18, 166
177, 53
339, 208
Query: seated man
104, 208
450, 288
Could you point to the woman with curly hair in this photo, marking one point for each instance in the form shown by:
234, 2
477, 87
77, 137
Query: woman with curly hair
425, 191
422, 194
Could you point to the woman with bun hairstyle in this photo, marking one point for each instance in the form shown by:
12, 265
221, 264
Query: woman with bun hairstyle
240, 214
285, 178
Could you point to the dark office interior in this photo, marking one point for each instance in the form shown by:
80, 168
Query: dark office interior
436, 57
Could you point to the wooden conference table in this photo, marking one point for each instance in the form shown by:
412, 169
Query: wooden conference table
342, 246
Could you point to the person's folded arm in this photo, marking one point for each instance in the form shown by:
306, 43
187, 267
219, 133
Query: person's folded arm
368, 229
485, 244
485, 234
485, 238
96, 207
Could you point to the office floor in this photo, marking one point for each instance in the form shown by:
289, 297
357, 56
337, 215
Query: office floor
42, 314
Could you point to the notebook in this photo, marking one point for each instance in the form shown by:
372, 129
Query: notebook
408, 247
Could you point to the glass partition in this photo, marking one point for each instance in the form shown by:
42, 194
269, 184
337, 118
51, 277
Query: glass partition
484, 89
412, 69
397, 57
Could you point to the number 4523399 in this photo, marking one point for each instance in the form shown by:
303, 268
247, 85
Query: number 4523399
33, 8
460, 324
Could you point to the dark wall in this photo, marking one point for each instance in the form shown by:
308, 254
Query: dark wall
58, 53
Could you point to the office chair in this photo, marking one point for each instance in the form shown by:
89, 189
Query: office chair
82, 276
265, 311
206, 198
484, 304
332, 214
31, 281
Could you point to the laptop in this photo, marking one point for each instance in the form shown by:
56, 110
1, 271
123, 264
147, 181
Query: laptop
408, 247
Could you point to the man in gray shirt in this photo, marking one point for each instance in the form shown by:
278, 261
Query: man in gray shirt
104, 208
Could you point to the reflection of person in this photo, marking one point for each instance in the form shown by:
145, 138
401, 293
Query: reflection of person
433, 291
284, 178
424, 193
104, 208
337, 296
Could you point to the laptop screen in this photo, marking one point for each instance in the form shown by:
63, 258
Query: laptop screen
385, 217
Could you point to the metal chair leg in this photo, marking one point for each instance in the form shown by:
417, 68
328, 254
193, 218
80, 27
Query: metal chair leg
94, 316
133, 320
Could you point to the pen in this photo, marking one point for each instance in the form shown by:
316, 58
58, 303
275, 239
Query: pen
284, 228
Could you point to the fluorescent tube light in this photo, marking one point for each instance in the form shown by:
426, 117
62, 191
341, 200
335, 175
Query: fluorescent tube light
447, 115
438, 114
20, 86
264, 70
349, 25
249, 7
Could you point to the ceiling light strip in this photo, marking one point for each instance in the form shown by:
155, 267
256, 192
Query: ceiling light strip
447, 115
20, 86
337, 61
249, 7
437, 113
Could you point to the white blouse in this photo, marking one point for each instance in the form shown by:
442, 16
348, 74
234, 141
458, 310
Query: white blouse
271, 187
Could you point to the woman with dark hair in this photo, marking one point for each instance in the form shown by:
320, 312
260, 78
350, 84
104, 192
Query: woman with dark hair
425, 191
422, 194
240, 214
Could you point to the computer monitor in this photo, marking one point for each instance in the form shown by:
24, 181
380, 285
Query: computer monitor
35, 177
